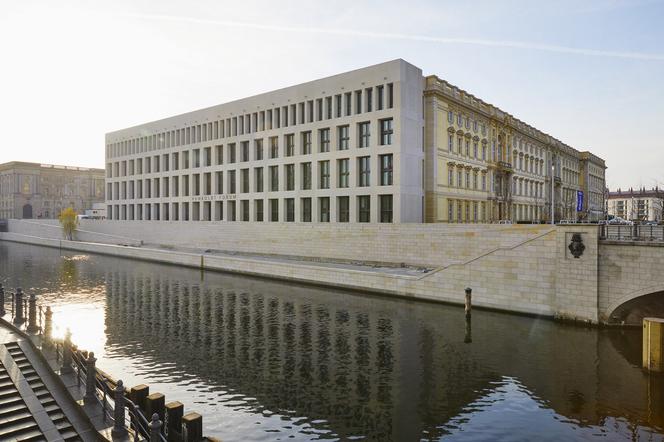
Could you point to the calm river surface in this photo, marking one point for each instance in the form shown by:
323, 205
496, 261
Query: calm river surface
263, 361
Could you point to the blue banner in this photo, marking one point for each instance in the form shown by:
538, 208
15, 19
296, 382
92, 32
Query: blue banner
579, 201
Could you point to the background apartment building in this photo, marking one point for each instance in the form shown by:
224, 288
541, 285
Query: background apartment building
346, 148
484, 165
33, 190
378, 144
637, 205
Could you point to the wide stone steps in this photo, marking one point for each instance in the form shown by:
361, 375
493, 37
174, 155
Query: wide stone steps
55, 413
16, 421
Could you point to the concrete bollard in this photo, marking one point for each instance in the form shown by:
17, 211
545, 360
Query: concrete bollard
48, 327
2, 301
653, 344
32, 314
173, 421
468, 337
469, 301
66, 354
119, 430
155, 403
192, 427
18, 300
155, 428
91, 378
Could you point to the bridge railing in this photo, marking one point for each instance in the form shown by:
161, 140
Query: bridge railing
619, 232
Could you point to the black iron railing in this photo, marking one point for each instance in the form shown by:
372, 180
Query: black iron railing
620, 232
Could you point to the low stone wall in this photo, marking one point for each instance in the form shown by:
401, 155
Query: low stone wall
51, 229
531, 271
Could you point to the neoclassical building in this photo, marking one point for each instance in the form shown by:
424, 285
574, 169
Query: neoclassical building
378, 144
33, 190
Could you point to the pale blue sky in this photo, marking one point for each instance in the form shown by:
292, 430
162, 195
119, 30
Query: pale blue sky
590, 73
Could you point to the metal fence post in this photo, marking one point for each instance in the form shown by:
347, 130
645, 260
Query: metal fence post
66, 354
155, 428
18, 299
2, 300
119, 430
32, 314
91, 377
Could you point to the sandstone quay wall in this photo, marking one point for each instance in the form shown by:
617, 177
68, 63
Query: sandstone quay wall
521, 268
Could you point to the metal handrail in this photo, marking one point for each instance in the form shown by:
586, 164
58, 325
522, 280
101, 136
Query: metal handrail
637, 232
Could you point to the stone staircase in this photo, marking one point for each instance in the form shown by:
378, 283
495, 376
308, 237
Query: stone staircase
53, 410
16, 420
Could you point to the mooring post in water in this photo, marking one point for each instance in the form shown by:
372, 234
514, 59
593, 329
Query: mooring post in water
2, 300
653, 344
66, 354
155, 403
173, 421
18, 298
32, 314
192, 427
469, 301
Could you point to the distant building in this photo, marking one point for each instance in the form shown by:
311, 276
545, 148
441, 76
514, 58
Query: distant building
637, 205
98, 211
33, 190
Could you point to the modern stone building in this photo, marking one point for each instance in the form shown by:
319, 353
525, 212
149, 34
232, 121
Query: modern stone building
33, 190
378, 144
637, 205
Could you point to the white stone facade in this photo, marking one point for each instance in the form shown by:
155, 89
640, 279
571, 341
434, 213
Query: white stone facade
346, 148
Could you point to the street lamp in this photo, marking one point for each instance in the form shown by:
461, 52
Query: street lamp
553, 221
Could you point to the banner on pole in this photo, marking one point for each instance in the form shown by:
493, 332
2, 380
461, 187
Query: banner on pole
579, 201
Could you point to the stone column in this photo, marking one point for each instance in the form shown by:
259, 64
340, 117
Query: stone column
2, 301
119, 430
18, 300
32, 314
91, 378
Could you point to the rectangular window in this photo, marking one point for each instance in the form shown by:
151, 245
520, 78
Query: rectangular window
364, 208
324, 168
244, 207
231, 153
185, 159
219, 178
258, 150
344, 172
258, 173
244, 176
244, 148
197, 159
358, 102
364, 167
337, 105
364, 134
274, 178
386, 170
324, 209
258, 215
386, 132
343, 209
344, 137
369, 99
306, 176
306, 142
390, 96
379, 93
324, 137
306, 209
231, 182
290, 176
274, 147
289, 203
274, 210
348, 102
290, 145
385, 208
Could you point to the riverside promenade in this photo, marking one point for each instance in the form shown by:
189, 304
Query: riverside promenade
52, 391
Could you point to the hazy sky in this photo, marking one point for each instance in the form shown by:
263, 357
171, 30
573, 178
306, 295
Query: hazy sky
590, 73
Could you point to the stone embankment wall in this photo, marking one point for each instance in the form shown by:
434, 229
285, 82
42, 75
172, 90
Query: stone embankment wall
517, 268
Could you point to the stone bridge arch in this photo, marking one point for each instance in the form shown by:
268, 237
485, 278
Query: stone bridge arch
632, 307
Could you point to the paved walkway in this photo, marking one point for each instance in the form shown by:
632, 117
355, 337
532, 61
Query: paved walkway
35, 404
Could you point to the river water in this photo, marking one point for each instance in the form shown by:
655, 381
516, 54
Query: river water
264, 360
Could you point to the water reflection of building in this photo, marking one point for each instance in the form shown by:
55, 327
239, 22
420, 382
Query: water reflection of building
364, 366
33, 190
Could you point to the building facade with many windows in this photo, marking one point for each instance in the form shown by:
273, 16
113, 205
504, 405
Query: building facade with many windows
484, 165
378, 144
346, 148
637, 205
33, 190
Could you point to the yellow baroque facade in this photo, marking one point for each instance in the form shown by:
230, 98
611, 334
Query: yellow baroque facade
484, 165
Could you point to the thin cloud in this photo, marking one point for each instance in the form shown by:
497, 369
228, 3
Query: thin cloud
408, 37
